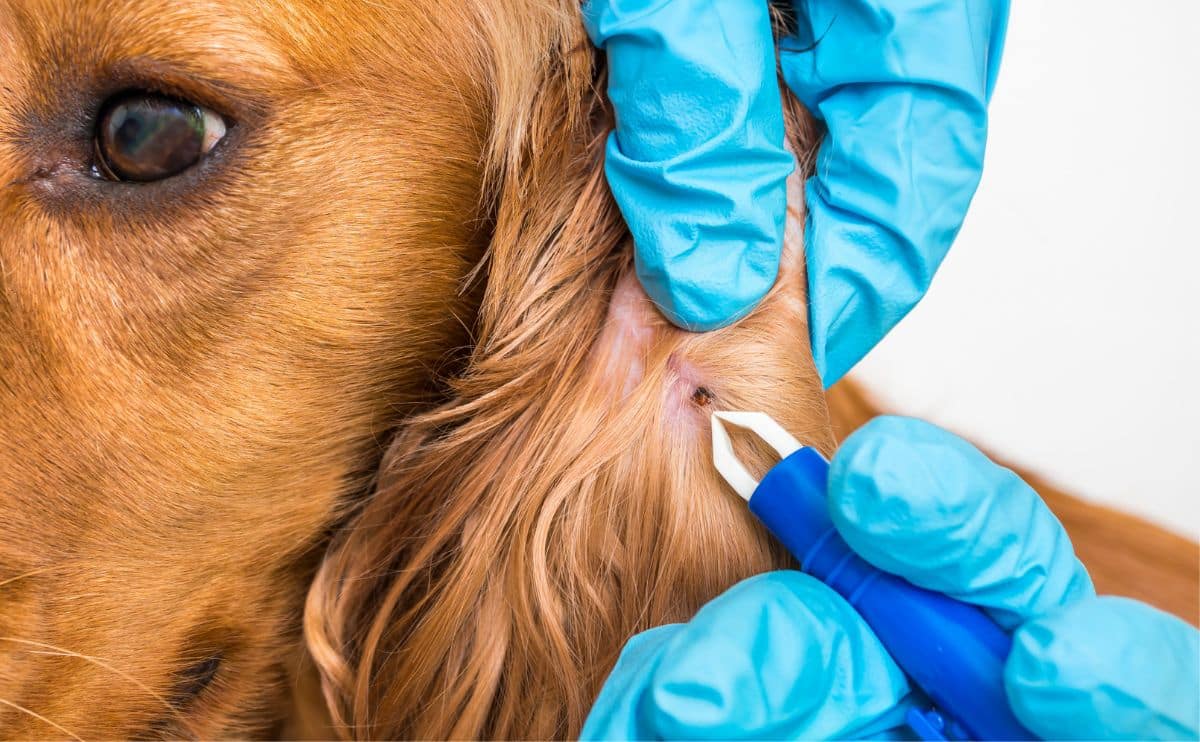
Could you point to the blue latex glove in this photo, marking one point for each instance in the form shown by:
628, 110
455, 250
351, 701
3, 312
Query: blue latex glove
782, 656
698, 168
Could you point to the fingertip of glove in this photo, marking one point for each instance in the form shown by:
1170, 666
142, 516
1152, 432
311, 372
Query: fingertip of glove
695, 318
705, 302
1104, 668
1088, 642
1050, 683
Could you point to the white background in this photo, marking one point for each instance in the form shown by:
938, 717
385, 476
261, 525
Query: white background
1063, 331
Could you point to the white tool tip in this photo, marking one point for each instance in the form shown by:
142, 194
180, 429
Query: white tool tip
731, 468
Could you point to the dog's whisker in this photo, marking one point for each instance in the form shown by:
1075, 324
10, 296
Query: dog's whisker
41, 718
50, 649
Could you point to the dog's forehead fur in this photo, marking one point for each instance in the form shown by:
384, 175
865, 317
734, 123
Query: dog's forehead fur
194, 373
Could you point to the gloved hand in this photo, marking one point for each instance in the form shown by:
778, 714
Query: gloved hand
698, 167
781, 656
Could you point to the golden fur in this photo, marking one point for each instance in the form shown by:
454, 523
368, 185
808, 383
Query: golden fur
198, 378
196, 374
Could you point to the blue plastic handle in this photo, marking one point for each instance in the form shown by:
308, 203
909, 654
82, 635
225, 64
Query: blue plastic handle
950, 650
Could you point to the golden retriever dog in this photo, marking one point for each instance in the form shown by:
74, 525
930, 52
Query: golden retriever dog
329, 298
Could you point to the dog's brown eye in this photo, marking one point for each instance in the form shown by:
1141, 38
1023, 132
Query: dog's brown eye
144, 137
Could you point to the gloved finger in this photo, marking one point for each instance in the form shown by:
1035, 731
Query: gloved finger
778, 656
1109, 668
697, 162
924, 504
903, 90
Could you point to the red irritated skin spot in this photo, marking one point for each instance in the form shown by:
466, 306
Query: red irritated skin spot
634, 335
689, 401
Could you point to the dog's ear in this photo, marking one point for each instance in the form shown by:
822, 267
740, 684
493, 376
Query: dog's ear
558, 502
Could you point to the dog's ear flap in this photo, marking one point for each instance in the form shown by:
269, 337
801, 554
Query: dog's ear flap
487, 586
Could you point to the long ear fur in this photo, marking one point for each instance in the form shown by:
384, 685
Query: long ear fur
563, 499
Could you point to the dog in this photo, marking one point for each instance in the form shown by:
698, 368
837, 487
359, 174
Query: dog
248, 248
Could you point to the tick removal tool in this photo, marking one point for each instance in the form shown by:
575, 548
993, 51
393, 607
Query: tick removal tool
952, 651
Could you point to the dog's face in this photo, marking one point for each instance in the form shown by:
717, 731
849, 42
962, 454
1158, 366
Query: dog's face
231, 238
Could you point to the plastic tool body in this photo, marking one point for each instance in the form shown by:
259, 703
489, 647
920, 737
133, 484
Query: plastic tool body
951, 650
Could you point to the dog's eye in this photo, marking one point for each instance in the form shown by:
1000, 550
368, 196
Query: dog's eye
144, 136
